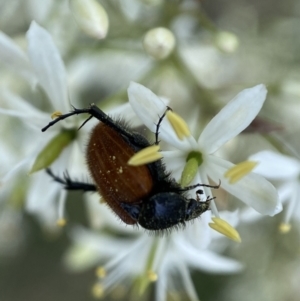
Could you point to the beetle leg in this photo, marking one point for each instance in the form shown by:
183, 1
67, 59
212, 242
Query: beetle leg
96, 112
64, 116
200, 185
69, 184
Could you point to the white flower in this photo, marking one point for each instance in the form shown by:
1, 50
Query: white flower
278, 167
46, 68
145, 259
252, 189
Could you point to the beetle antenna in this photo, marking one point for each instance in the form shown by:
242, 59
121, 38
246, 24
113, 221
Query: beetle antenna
161, 118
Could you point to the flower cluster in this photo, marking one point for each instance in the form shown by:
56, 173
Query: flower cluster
36, 86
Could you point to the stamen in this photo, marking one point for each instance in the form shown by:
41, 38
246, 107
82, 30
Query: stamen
97, 291
148, 275
224, 228
240, 170
152, 276
61, 222
179, 125
284, 228
56, 114
145, 156
101, 272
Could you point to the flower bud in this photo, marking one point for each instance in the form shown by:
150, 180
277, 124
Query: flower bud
159, 42
226, 41
91, 17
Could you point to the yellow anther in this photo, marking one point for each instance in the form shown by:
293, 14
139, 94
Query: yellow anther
97, 291
240, 170
179, 125
101, 272
284, 228
152, 276
56, 114
224, 228
145, 156
61, 222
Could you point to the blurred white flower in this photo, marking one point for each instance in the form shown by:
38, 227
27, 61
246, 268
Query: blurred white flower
252, 189
144, 259
277, 167
45, 68
91, 17
12, 232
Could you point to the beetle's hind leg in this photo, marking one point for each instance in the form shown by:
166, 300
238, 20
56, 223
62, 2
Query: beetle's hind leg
69, 184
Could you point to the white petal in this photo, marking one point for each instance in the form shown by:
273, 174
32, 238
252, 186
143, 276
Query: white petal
42, 204
125, 111
233, 118
14, 105
197, 228
15, 169
149, 108
208, 261
105, 245
48, 66
162, 284
286, 191
14, 57
174, 161
292, 207
276, 166
249, 215
185, 284
253, 189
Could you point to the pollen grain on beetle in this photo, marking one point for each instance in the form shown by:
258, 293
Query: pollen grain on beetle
56, 114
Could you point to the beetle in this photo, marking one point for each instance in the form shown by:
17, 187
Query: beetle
144, 195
